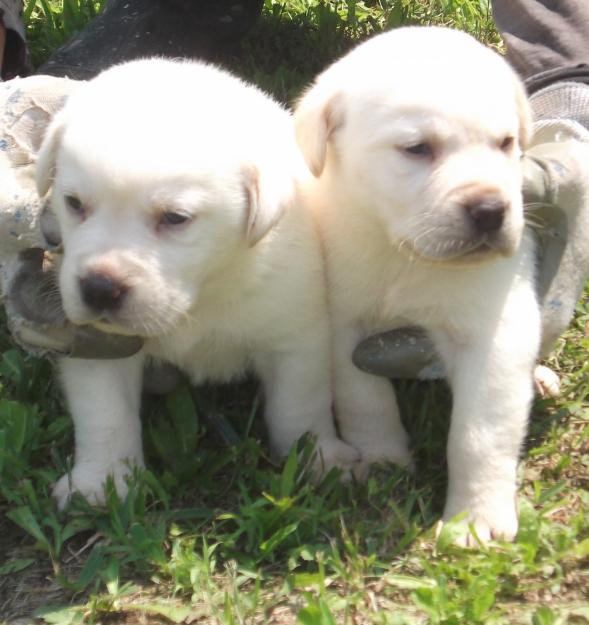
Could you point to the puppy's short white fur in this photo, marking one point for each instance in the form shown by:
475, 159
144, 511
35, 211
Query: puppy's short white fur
173, 187
415, 141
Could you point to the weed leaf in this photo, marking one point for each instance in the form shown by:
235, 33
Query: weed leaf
316, 613
174, 613
65, 615
544, 616
288, 473
406, 582
24, 518
13, 566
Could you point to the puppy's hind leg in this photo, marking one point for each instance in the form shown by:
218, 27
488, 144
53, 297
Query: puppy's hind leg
366, 408
546, 381
298, 400
104, 399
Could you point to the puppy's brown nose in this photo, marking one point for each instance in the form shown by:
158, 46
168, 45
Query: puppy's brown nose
487, 213
102, 292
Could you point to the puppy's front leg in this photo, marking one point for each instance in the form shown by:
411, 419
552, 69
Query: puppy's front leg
104, 399
491, 380
297, 389
366, 407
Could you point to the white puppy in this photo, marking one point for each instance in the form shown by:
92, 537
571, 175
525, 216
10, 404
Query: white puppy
173, 187
415, 140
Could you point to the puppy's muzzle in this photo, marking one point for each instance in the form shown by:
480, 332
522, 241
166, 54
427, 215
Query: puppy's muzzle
487, 213
102, 292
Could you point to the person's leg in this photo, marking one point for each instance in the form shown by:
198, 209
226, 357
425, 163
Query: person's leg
543, 35
130, 29
13, 49
548, 43
2, 42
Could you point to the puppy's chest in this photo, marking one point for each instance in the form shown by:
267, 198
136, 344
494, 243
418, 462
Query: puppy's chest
408, 294
371, 283
399, 300
209, 356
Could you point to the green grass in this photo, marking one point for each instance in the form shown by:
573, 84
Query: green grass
215, 532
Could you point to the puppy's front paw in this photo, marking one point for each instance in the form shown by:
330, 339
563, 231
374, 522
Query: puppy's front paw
334, 453
90, 482
492, 522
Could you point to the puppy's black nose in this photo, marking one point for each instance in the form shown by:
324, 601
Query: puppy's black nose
487, 213
101, 291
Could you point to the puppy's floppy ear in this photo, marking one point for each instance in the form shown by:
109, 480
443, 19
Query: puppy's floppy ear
45, 168
524, 111
316, 117
266, 201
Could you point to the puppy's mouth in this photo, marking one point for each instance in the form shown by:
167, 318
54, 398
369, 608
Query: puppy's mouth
112, 327
105, 322
150, 327
479, 249
485, 246
490, 246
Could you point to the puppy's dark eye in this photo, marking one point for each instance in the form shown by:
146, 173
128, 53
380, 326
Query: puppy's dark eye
421, 150
170, 218
507, 144
74, 204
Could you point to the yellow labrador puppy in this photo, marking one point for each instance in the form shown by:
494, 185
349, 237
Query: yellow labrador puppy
415, 140
173, 187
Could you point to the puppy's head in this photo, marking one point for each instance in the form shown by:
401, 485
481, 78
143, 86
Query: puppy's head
423, 129
162, 176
